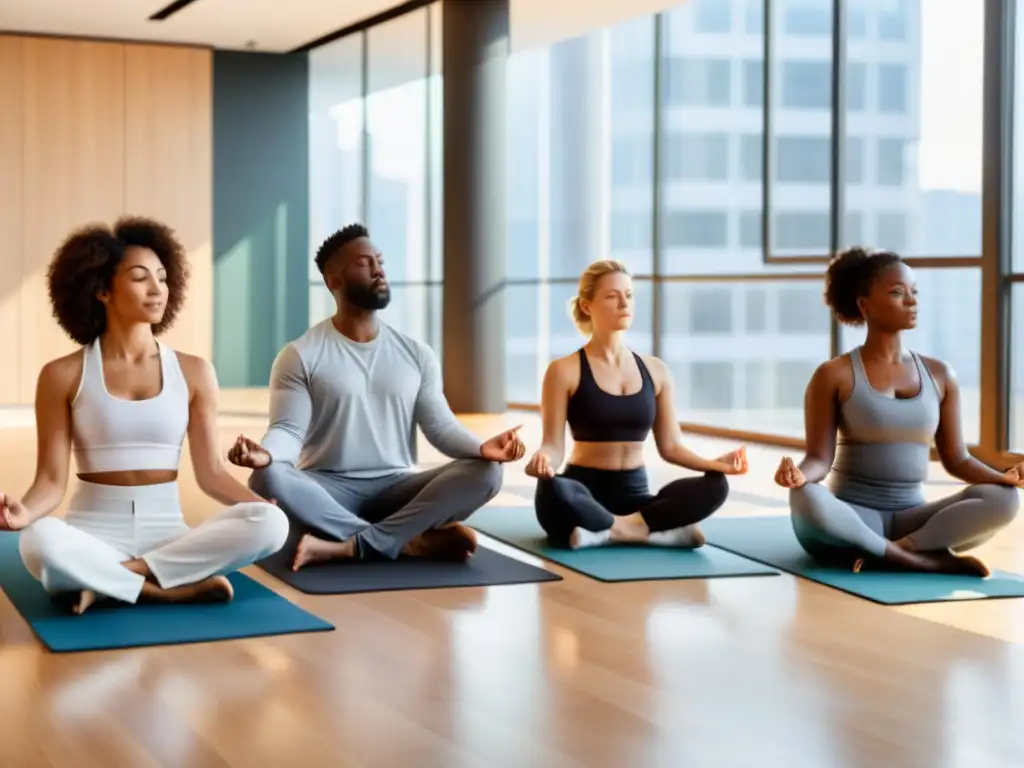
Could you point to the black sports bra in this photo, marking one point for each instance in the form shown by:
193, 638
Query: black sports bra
595, 416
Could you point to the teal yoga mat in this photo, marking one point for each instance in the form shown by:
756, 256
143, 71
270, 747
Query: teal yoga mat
254, 611
517, 527
770, 540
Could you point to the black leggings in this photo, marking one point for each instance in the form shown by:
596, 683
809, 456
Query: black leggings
582, 497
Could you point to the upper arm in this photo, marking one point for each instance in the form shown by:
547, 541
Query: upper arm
949, 439
53, 419
291, 403
202, 421
821, 420
554, 403
431, 391
666, 422
432, 411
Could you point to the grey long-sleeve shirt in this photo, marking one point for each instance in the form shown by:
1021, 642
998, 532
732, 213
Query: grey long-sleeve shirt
348, 407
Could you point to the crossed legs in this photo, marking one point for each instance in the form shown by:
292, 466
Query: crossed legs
187, 564
576, 513
926, 537
409, 513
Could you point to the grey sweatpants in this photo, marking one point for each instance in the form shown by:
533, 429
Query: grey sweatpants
382, 513
825, 525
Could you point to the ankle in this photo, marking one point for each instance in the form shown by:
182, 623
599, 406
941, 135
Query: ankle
629, 528
906, 544
139, 566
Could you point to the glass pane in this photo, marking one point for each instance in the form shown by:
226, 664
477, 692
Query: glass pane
396, 113
801, 103
1018, 151
410, 312
1016, 353
919, 123
436, 329
435, 168
524, 359
711, 160
580, 153
335, 143
949, 329
742, 353
321, 303
526, 83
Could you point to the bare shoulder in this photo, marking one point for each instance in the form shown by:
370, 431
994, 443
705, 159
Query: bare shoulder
661, 374
832, 379
657, 367
199, 372
62, 374
938, 368
564, 371
837, 371
941, 371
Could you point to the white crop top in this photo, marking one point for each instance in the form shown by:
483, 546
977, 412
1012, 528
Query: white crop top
110, 434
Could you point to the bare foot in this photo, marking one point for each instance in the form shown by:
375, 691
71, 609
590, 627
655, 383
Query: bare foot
948, 562
452, 542
85, 598
215, 589
942, 561
313, 550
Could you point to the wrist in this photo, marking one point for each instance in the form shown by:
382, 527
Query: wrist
31, 515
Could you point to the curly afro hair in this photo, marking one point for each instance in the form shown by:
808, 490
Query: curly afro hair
337, 241
850, 276
85, 264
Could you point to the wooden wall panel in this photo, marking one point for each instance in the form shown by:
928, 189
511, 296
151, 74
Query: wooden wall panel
11, 196
169, 167
90, 131
73, 165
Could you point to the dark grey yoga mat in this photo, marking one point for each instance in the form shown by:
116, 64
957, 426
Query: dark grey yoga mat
486, 568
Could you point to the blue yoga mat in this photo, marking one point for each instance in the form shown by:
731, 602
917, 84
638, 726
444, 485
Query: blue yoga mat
771, 540
254, 611
518, 527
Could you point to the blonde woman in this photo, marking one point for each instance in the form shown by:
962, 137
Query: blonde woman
612, 398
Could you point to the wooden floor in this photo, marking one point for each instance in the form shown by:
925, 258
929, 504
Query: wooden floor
729, 672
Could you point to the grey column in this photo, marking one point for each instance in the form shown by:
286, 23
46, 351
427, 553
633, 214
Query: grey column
475, 35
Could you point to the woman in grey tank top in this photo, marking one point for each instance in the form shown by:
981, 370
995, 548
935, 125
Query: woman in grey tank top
870, 419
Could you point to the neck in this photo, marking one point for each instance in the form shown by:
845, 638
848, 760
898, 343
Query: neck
134, 342
608, 345
883, 345
357, 324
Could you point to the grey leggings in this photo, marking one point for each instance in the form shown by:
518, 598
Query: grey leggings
382, 513
827, 526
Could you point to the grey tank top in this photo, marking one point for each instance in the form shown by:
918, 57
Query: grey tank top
883, 444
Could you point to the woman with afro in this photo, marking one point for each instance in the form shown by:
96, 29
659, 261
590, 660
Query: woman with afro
870, 418
123, 404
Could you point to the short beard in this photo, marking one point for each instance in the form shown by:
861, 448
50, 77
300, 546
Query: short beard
366, 298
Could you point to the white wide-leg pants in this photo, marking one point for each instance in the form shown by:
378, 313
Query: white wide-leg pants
107, 525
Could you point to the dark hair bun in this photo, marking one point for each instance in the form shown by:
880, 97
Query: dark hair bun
849, 277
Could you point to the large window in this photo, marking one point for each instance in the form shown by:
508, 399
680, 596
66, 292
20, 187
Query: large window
920, 131
607, 143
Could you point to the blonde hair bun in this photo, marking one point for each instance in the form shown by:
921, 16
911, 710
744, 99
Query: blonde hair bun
587, 285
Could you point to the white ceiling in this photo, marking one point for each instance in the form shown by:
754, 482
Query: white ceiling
273, 25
